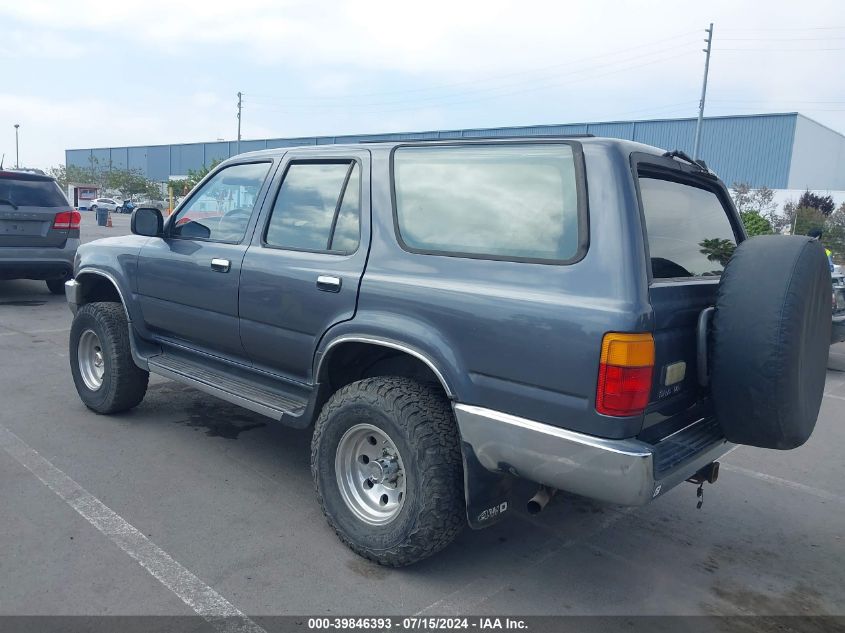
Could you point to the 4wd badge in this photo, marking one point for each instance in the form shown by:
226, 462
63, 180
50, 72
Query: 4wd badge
491, 513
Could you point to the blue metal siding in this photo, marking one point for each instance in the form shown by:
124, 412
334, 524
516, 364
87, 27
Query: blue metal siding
137, 158
756, 149
158, 163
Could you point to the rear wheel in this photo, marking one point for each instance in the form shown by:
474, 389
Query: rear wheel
106, 377
387, 468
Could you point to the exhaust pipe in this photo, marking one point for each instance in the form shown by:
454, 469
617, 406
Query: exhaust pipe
540, 499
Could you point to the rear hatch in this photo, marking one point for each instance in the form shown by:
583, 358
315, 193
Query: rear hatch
28, 207
691, 230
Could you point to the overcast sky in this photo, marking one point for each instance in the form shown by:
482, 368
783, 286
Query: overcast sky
125, 72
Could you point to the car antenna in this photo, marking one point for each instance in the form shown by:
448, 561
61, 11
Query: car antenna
2, 158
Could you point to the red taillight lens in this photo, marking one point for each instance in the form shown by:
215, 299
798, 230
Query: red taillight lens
624, 385
67, 220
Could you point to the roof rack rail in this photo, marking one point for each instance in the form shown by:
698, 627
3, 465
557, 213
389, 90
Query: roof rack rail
480, 138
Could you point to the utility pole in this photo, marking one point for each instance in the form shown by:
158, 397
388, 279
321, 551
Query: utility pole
240, 104
17, 152
709, 41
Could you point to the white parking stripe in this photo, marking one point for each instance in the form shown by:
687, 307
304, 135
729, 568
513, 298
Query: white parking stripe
816, 492
206, 602
833, 395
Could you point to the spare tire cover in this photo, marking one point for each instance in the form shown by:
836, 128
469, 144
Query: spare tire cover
770, 340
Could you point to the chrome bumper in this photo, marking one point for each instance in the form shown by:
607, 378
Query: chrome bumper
72, 292
616, 471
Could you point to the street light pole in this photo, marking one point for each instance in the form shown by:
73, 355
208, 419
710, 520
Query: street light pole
17, 151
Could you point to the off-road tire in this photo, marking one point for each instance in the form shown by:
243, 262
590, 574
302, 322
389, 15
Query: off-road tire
419, 420
56, 286
124, 383
771, 339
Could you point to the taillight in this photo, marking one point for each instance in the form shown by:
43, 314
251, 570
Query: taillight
627, 362
67, 220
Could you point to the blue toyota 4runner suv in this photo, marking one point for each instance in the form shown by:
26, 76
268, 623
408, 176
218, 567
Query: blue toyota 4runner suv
582, 313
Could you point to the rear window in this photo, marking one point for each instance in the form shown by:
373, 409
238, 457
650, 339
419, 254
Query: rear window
495, 201
689, 234
31, 193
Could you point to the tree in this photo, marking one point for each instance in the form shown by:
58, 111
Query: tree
760, 201
70, 174
808, 218
183, 186
822, 204
718, 250
756, 224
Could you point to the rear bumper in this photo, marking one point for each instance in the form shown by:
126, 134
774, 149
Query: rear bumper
615, 471
28, 262
73, 293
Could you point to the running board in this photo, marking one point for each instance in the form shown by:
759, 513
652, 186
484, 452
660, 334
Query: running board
235, 390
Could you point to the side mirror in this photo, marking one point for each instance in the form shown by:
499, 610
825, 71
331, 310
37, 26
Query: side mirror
147, 221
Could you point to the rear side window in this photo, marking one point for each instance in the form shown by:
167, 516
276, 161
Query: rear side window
318, 208
689, 234
31, 193
496, 201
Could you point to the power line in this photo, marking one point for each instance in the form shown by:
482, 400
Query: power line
521, 73
485, 93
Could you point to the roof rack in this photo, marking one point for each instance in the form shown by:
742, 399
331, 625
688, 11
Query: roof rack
515, 137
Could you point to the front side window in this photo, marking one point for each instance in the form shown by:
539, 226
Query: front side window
689, 234
221, 209
498, 201
318, 208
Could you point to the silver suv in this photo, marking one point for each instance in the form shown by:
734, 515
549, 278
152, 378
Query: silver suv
39, 230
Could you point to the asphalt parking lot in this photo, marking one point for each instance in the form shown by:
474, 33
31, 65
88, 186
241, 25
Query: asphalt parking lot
228, 496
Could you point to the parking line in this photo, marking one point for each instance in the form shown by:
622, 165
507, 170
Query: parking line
204, 600
810, 490
833, 395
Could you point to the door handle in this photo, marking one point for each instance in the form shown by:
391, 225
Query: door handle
220, 265
327, 283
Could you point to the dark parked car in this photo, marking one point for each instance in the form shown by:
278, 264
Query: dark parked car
581, 313
39, 230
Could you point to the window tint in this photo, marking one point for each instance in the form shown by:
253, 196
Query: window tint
221, 209
689, 234
514, 201
32, 193
318, 208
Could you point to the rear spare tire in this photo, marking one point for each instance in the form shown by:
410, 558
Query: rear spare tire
771, 333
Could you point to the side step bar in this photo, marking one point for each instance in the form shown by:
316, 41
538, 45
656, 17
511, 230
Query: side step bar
235, 390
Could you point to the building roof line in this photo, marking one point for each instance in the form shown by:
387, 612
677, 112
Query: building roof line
454, 130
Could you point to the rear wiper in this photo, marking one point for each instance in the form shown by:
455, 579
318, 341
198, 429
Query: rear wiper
9, 202
699, 164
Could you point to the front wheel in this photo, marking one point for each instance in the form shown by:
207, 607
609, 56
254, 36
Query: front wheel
106, 377
387, 467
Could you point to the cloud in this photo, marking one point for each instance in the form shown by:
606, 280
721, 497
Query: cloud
348, 67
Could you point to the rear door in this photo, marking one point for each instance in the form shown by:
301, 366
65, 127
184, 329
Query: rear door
691, 231
28, 207
301, 273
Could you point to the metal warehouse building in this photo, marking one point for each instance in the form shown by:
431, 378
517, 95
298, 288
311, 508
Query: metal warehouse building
780, 151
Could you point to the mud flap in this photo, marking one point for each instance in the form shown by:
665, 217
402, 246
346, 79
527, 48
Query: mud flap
488, 494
